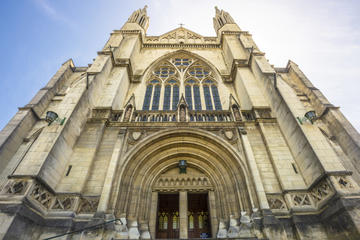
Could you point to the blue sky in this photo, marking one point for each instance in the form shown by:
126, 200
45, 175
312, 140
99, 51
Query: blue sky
322, 37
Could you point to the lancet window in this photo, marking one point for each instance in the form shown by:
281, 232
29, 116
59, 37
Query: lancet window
200, 87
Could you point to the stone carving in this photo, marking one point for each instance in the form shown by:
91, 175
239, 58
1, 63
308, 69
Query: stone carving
344, 182
182, 113
236, 112
321, 191
121, 229
42, 196
229, 134
128, 113
133, 230
222, 232
63, 203
276, 202
301, 199
234, 228
183, 182
135, 136
88, 205
16, 187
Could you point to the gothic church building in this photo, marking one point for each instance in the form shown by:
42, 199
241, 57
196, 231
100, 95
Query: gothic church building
179, 136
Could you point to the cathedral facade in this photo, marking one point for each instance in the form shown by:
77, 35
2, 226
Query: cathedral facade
179, 136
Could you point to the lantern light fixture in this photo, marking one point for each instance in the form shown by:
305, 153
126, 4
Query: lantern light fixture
309, 116
182, 166
53, 117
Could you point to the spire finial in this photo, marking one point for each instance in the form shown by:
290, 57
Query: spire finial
217, 9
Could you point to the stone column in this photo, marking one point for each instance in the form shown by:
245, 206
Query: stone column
212, 211
153, 214
259, 187
183, 209
110, 174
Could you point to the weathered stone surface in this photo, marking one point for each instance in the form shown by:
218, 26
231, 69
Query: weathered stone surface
149, 102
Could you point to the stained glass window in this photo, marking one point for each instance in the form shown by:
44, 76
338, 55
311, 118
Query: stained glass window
188, 96
175, 96
164, 72
199, 72
167, 94
197, 99
201, 221
207, 96
156, 98
147, 98
182, 63
175, 220
163, 221
191, 220
216, 97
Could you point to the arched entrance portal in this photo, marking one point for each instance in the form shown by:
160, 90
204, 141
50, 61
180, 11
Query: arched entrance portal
215, 185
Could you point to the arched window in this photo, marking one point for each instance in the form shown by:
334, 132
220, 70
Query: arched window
152, 92
147, 98
167, 95
200, 85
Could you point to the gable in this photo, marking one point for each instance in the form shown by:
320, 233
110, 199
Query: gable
178, 35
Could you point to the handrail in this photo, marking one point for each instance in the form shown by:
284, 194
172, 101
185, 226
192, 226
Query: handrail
86, 228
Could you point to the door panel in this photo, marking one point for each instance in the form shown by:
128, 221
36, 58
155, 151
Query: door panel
168, 216
198, 216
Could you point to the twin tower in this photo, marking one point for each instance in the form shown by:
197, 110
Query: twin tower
179, 136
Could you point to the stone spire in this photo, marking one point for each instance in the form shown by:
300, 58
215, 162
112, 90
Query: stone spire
140, 17
221, 18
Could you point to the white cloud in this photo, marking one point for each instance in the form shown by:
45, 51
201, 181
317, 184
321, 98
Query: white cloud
322, 37
50, 11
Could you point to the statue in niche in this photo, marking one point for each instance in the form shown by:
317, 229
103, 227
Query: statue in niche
127, 113
236, 113
182, 113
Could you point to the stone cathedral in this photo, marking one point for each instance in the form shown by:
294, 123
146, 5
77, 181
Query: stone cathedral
179, 136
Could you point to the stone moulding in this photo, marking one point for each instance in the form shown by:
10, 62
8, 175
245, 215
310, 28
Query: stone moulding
316, 197
44, 200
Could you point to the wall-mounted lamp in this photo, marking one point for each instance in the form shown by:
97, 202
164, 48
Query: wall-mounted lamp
182, 166
53, 117
309, 116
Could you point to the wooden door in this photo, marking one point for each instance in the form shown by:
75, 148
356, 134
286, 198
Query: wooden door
168, 216
198, 216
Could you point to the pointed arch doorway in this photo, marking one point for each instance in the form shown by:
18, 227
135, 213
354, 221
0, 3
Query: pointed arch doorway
214, 169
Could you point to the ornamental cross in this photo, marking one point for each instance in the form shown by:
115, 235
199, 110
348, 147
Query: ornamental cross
181, 24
